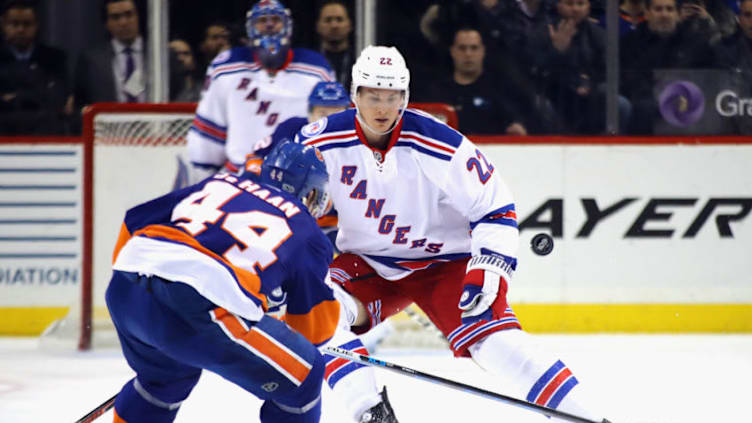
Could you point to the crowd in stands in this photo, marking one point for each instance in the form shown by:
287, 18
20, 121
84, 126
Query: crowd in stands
507, 66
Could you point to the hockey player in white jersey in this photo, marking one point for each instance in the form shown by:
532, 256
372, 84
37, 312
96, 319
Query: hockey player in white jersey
424, 217
249, 90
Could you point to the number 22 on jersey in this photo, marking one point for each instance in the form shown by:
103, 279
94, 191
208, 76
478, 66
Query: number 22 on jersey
258, 234
483, 175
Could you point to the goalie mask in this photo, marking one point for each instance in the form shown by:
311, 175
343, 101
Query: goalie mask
299, 170
269, 28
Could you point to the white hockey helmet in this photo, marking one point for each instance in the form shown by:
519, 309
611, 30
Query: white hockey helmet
380, 67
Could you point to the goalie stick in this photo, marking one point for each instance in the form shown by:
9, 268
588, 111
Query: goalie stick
371, 361
97, 412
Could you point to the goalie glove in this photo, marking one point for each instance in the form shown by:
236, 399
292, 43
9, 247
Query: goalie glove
485, 282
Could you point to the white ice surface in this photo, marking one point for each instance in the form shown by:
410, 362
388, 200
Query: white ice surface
637, 379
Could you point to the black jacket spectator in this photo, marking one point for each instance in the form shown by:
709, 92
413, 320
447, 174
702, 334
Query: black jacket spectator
482, 107
334, 28
735, 52
575, 77
515, 29
643, 51
33, 77
735, 55
484, 102
34, 92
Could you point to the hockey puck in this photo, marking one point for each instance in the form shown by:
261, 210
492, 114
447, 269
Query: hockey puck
542, 244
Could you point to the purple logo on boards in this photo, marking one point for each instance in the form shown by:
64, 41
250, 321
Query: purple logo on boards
681, 103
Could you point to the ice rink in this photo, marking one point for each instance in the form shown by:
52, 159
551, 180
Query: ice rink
639, 379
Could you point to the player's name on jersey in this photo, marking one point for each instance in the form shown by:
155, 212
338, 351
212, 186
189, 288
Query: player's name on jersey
285, 206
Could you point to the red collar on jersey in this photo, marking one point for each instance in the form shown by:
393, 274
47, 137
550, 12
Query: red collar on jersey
392, 138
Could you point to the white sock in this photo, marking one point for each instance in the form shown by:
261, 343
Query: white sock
354, 384
529, 371
358, 391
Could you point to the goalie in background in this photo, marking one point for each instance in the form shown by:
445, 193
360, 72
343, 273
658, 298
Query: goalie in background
424, 217
249, 90
193, 281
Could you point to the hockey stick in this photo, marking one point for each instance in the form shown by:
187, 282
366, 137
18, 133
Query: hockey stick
97, 412
371, 361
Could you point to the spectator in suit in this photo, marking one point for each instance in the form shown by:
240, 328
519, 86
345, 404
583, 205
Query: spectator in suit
483, 104
115, 71
216, 40
185, 82
334, 28
659, 43
34, 94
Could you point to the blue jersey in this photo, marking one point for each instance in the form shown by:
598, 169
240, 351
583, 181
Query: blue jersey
235, 241
285, 131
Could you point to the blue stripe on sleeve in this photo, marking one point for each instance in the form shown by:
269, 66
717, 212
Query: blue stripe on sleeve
498, 217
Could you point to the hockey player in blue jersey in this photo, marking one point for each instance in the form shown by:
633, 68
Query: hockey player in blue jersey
194, 273
249, 90
325, 99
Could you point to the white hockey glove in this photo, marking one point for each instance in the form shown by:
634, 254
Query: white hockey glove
485, 282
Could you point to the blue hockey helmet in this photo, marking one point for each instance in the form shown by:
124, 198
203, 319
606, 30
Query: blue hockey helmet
300, 170
328, 94
269, 28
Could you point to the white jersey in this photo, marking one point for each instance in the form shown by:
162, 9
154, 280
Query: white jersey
242, 103
434, 196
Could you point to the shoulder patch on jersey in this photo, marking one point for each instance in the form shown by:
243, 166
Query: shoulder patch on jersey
221, 57
314, 128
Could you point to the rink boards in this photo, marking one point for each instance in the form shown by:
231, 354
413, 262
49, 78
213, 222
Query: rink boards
651, 236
